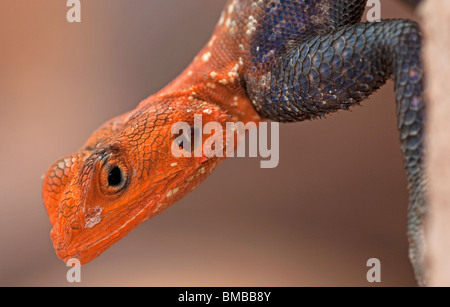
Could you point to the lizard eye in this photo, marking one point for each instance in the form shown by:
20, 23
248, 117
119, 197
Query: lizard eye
113, 177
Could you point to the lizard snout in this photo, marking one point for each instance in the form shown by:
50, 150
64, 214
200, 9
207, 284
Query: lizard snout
56, 179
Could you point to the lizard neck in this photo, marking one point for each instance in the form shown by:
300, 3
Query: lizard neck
231, 97
217, 77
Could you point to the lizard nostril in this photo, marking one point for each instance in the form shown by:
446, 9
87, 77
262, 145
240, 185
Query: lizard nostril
60, 246
75, 226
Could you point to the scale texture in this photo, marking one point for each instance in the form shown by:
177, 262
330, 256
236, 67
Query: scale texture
281, 60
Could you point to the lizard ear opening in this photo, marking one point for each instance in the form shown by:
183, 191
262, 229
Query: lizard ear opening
188, 140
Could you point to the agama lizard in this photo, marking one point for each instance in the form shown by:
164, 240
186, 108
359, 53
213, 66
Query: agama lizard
280, 60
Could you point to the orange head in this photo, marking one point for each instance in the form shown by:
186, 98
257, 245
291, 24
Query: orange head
125, 174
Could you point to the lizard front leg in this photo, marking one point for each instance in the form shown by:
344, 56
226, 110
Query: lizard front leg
337, 70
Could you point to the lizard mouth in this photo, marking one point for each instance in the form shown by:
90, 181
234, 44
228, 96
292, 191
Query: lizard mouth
86, 252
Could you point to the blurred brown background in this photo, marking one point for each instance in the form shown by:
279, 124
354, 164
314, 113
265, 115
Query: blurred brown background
337, 198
